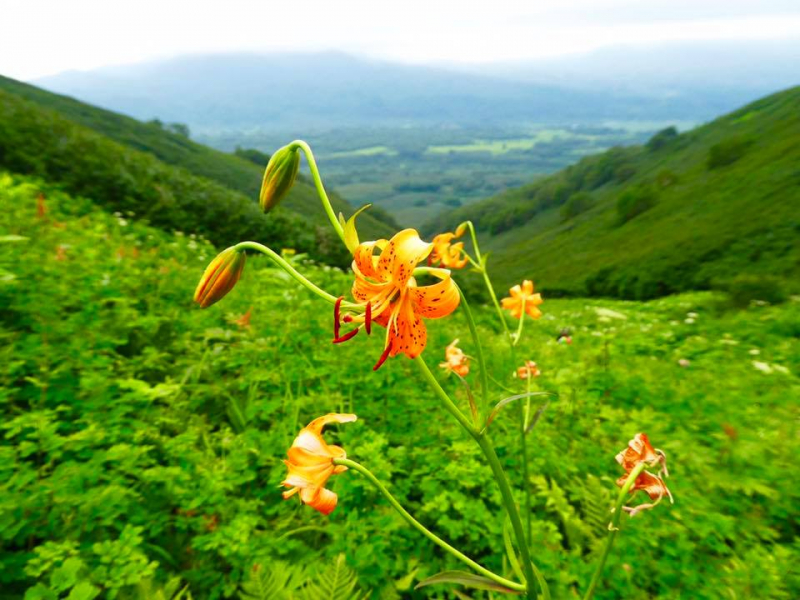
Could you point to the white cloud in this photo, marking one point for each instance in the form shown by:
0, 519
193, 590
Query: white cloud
40, 37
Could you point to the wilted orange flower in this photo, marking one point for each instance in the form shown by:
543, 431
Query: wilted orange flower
515, 301
639, 451
310, 464
386, 288
529, 369
455, 360
446, 253
219, 277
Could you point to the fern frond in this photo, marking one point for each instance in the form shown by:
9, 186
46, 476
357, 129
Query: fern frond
275, 581
337, 582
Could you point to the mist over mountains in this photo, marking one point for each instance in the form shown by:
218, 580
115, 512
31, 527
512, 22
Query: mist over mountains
243, 91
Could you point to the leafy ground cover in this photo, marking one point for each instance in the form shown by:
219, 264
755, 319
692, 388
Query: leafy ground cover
142, 439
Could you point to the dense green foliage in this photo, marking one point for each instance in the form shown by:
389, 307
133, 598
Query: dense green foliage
728, 203
238, 173
141, 439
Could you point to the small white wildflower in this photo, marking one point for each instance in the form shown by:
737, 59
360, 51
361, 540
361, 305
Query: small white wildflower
762, 366
689, 321
755, 351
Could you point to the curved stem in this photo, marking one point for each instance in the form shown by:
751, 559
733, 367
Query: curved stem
612, 529
511, 508
425, 531
284, 264
515, 340
446, 401
484, 374
326, 202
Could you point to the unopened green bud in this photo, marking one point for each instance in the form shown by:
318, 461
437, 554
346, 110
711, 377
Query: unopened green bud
220, 277
279, 176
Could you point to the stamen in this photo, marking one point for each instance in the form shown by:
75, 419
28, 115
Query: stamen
368, 319
348, 318
346, 336
336, 307
383, 357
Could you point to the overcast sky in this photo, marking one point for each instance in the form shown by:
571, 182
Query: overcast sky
42, 37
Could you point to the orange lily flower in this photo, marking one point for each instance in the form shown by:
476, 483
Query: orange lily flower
517, 295
640, 450
388, 292
219, 277
310, 464
455, 360
529, 369
447, 254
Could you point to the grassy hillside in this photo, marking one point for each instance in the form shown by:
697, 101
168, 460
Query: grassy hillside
142, 439
716, 206
231, 171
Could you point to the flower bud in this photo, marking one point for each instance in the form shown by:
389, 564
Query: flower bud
220, 277
279, 176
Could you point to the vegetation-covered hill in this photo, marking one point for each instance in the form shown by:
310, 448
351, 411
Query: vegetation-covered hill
685, 211
30, 115
142, 439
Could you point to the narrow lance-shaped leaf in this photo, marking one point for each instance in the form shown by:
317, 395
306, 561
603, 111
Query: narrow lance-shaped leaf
466, 579
499, 406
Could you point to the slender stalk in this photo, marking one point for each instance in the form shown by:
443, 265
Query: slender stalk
518, 337
525, 479
284, 264
446, 401
326, 203
612, 529
511, 508
424, 530
484, 374
494, 463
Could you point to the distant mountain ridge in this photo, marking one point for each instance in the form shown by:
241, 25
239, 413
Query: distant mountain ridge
685, 211
307, 91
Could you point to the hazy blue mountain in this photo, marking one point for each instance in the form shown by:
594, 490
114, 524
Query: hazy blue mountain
324, 90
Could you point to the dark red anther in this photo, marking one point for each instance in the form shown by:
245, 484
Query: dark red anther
368, 319
347, 318
336, 307
346, 336
383, 357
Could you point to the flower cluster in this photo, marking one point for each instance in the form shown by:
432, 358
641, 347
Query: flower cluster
455, 360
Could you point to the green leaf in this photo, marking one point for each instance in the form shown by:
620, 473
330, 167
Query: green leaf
466, 579
499, 406
350, 233
83, 591
337, 582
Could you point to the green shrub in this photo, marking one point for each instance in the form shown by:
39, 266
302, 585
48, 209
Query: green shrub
634, 202
578, 203
662, 138
727, 152
746, 289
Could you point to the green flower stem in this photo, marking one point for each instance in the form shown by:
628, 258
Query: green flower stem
511, 508
484, 374
284, 264
326, 203
482, 438
446, 401
515, 340
424, 530
524, 452
613, 528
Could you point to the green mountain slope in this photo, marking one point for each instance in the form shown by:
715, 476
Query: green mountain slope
231, 171
686, 211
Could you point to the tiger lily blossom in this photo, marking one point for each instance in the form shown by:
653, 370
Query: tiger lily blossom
446, 253
640, 450
386, 293
310, 464
523, 296
455, 360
